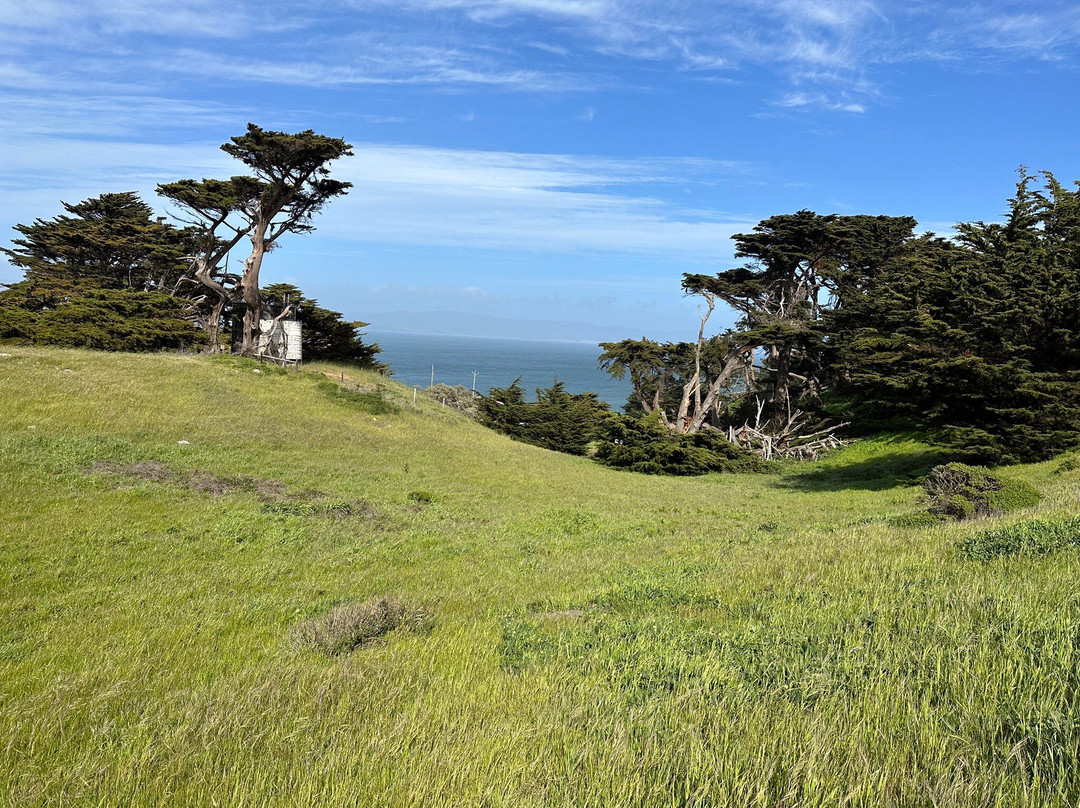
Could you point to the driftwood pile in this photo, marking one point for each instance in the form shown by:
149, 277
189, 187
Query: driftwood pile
796, 438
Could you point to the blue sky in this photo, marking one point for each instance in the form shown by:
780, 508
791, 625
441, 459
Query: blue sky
544, 159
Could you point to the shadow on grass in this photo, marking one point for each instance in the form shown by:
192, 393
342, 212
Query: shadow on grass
897, 462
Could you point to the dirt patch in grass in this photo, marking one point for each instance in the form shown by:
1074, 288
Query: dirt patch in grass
276, 497
563, 614
201, 482
275, 494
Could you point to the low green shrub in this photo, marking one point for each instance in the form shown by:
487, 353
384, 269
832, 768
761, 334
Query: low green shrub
104, 319
557, 420
1070, 463
1033, 537
959, 491
347, 627
458, 397
647, 446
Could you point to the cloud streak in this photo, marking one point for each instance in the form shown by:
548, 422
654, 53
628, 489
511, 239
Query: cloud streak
833, 54
417, 196
537, 202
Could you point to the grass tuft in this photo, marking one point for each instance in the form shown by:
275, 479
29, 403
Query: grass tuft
917, 519
1034, 537
351, 625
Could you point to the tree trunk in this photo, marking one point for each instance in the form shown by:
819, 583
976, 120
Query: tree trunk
213, 324
732, 366
781, 388
204, 274
249, 287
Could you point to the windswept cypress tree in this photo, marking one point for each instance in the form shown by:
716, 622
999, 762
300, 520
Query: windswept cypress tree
977, 338
557, 420
98, 276
974, 338
112, 241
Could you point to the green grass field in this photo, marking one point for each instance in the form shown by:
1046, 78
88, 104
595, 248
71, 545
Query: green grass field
600, 638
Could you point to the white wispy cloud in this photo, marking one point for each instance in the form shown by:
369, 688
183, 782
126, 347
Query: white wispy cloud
818, 100
539, 202
416, 196
824, 50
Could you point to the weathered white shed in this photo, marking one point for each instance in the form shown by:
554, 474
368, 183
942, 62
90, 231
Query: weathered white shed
280, 341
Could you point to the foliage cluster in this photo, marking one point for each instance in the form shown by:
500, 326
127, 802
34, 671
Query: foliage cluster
104, 319
960, 491
645, 445
98, 277
109, 274
1033, 537
975, 339
557, 420
457, 397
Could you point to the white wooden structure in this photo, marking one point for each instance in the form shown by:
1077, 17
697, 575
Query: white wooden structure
280, 341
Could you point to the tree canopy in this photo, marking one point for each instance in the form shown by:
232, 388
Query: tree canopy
857, 319
112, 241
98, 277
557, 420
140, 282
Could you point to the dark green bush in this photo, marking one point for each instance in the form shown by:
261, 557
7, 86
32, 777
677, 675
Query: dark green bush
959, 491
645, 445
1034, 537
557, 420
103, 319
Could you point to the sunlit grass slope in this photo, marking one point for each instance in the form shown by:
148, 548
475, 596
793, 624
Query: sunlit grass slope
600, 639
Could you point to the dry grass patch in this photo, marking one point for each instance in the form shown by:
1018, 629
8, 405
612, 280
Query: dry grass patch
202, 482
347, 627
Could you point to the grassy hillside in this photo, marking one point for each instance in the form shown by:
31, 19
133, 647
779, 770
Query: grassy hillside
600, 638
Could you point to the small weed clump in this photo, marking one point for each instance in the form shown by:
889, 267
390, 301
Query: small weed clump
1070, 463
966, 492
347, 627
1034, 537
421, 497
332, 510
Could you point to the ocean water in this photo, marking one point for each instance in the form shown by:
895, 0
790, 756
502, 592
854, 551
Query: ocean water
497, 363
